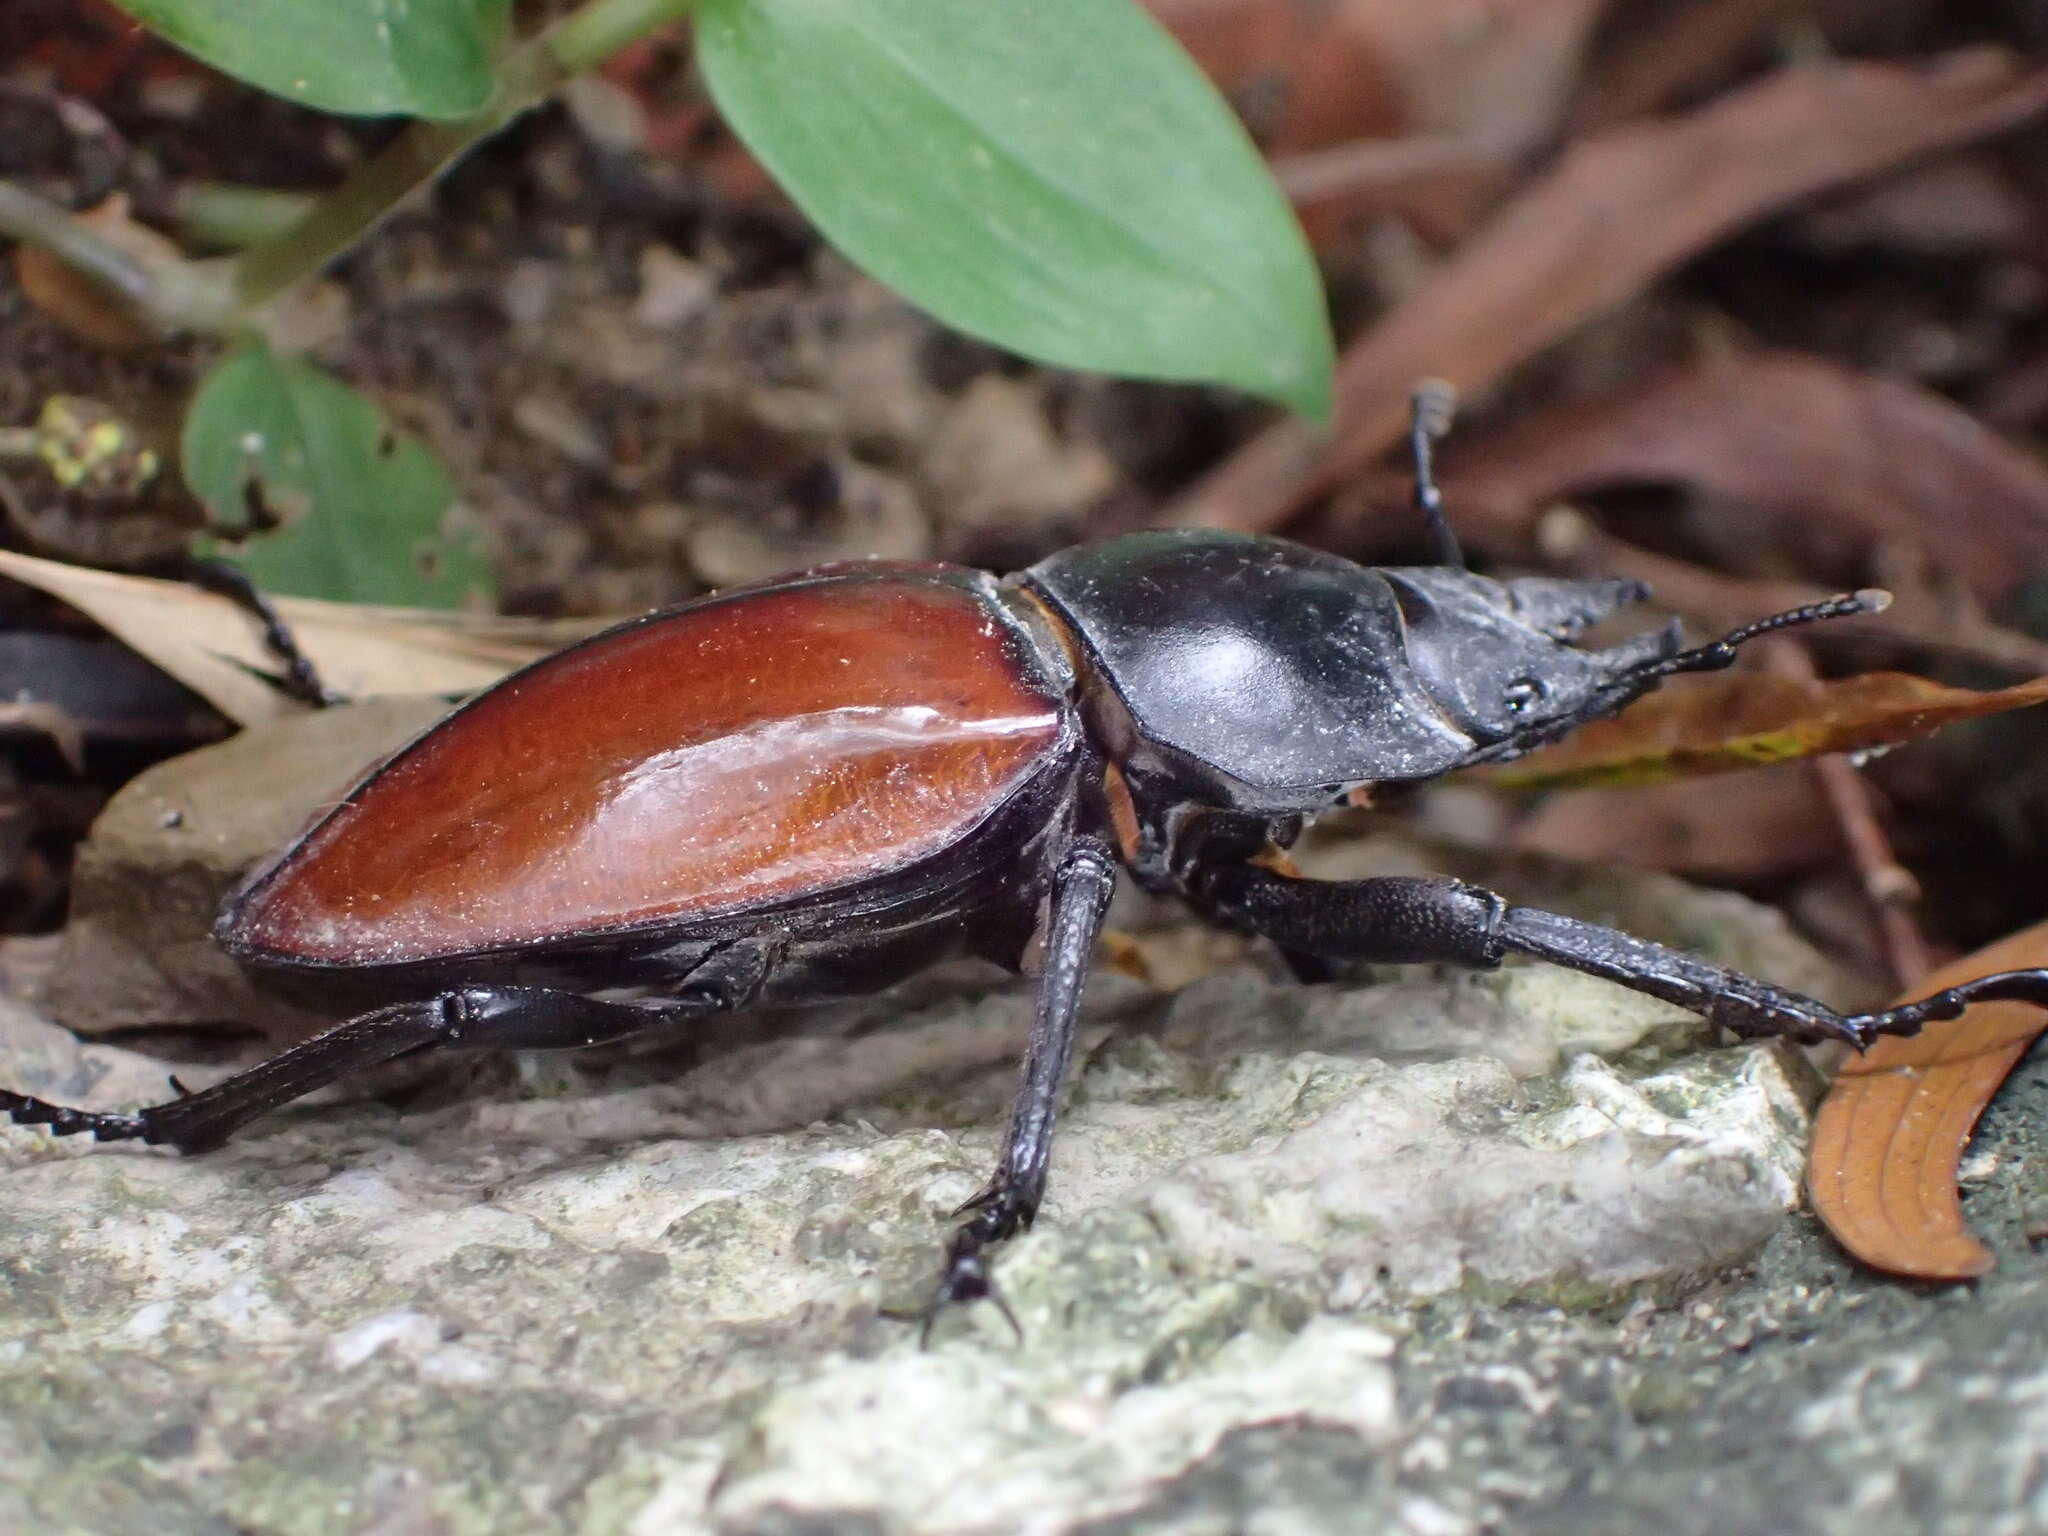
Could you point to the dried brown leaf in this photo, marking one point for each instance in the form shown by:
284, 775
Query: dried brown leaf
1373, 105
1674, 53
1306, 75
1695, 726
1892, 1129
1755, 826
1793, 435
1614, 213
213, 648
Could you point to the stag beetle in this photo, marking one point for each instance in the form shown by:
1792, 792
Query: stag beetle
810, 788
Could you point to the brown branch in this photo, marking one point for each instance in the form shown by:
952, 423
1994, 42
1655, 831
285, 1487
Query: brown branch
1888, 886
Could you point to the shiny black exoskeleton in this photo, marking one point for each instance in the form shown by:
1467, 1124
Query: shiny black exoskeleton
972, 759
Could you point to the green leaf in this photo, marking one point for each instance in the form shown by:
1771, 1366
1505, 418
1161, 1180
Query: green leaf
421, 58
361, 507
1056, 177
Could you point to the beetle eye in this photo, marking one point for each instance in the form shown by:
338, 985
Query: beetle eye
1522, 695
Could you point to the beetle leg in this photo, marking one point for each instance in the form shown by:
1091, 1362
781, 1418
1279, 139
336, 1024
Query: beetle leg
475, 1018
1403, 919
300, 679
1009, 1202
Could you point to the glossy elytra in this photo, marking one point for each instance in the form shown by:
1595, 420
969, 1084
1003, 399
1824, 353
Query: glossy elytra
809, 789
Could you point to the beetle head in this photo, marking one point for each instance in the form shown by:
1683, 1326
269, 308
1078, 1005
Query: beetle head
1498, 657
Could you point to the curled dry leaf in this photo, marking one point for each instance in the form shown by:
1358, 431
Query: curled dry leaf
1789, 434
213, 647
1617, 211
1705, 725
1893, 1127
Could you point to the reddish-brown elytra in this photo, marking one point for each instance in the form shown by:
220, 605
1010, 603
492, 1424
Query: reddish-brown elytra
809, 789
762, 749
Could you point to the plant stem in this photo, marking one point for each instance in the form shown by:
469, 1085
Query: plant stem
29, 217
165, 294
528, 73
224, 216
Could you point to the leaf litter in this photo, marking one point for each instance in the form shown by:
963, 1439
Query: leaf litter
1617, 210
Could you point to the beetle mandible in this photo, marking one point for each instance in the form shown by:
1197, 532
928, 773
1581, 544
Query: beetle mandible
808, 789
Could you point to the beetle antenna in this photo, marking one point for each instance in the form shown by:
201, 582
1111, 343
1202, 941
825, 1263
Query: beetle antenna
1721, 653
1430, 410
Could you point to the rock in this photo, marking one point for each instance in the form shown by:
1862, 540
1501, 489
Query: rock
650, 1305
1432, 1253
139, 951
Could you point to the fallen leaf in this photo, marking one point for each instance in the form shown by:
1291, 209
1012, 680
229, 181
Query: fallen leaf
215, 649
1754, 826
1960, 205
1677, 52
1384, 105
1307, 76
1614, 213
1436, 181
1892, 1129
1793, 435
1701, 725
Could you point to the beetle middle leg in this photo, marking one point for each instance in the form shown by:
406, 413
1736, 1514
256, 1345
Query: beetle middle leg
1009, 1202
460, 1018
1422, 919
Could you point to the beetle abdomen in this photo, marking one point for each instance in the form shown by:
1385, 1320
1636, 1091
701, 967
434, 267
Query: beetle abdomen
746, 750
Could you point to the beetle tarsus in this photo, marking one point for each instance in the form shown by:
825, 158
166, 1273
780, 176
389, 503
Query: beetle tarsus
2030, 986
967, 1278
62, 1120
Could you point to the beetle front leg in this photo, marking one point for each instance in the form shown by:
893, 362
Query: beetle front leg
464, 1018
1009, 1202
1424, 919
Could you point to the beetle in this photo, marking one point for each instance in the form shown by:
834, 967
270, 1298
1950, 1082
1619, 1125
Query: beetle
810, 788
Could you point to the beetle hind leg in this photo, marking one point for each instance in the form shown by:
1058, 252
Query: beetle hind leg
467, 1018
193, 1122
